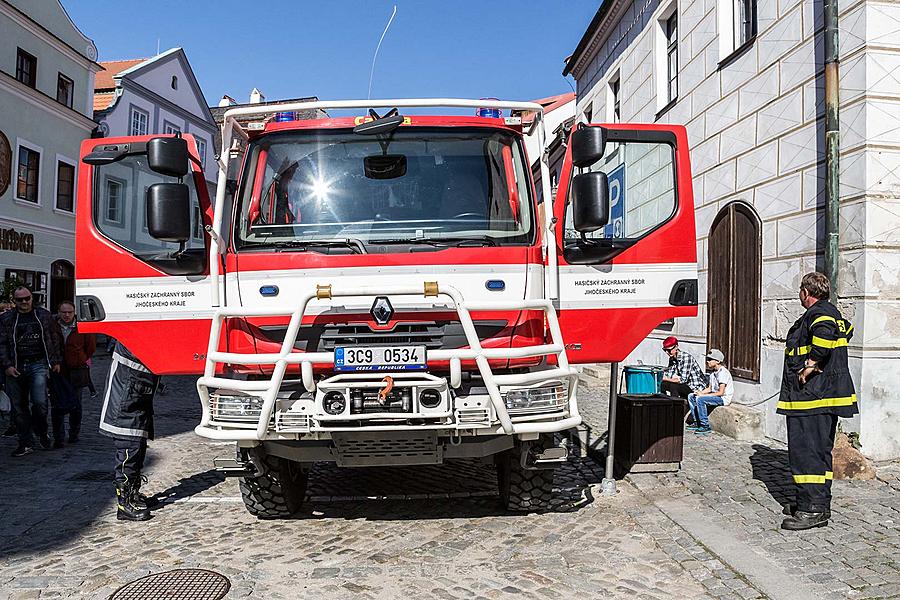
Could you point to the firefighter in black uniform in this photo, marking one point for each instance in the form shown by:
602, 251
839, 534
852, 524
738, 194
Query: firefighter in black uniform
816, 389
127, 417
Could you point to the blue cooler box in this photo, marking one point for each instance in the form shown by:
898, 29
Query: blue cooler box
640, 379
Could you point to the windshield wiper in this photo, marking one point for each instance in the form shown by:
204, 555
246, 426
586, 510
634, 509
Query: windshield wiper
411, 242
443, 242
475, 240
353, 243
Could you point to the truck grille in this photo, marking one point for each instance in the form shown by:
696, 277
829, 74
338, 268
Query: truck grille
291, 422
473, 416
431, 334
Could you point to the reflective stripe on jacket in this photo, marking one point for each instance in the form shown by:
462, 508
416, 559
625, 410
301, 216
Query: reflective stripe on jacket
823, 335
127, 411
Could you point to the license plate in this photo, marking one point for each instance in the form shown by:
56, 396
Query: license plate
380, 358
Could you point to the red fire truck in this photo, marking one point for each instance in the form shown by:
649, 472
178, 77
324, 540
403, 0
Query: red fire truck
385, 289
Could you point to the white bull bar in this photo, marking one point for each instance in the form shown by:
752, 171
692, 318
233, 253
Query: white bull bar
268, 390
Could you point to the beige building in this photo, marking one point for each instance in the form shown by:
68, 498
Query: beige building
746, 79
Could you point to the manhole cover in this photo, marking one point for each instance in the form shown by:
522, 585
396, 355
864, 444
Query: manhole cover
180, 584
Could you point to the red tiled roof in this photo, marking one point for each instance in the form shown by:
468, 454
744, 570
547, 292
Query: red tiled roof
104, 79
550, 104
102, 100
554, 102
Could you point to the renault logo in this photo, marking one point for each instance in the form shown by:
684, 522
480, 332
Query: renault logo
381, 310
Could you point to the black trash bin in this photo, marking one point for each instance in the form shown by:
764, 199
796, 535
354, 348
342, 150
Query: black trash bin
649, 433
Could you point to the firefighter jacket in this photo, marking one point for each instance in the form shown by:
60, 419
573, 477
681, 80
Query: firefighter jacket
822, 335
128, 404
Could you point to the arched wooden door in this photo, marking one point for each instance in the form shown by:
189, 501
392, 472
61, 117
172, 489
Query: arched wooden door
735, 248
62, 283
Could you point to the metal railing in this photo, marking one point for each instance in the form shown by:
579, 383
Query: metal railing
268, 389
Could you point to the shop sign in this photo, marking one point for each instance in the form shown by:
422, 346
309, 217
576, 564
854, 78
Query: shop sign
16, 241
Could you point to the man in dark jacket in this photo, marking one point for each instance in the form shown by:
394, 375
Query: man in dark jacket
29, 349
816, 389
78, 348
127, 417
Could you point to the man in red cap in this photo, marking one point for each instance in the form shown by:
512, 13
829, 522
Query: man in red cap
683, 376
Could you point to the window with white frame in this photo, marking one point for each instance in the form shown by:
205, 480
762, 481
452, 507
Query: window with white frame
198, 223
201, 150
140, 122
115, 190
65, 90
665, 60
737, 25
613, 99
65, 186
672, 57
170, 128
28, 174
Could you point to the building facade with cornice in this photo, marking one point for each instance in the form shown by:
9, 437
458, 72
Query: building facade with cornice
47, 70
746, 79
146, 96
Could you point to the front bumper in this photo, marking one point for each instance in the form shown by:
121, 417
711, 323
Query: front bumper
538, 401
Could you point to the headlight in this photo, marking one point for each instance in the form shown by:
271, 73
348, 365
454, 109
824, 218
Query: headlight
235, 408
430, 398
544, 398
334, 403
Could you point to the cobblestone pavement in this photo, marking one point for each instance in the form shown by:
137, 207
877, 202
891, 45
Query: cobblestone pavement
431, 532
738, 487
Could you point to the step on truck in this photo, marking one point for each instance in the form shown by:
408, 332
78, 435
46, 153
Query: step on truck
386, 287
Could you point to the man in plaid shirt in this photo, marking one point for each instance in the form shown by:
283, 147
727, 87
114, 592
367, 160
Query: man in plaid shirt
683, 375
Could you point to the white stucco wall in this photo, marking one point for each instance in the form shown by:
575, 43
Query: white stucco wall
754, 126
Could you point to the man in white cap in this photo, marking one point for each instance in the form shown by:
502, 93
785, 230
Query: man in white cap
719, 392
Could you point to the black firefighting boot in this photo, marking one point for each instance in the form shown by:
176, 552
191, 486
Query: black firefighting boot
141, 499
790, 509
129, 509
805, 520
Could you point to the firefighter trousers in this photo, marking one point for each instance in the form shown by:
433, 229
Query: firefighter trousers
130, 453
810, 441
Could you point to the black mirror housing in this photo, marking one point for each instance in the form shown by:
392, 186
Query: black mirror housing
590, 201
168, 156
588, 146
379, 126
169, 212
385, 166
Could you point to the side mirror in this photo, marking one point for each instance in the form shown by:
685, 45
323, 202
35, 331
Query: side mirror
169, 212
590, 201
379, 126
588, 146
168, 156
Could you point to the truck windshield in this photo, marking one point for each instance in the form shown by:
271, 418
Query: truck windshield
416, 185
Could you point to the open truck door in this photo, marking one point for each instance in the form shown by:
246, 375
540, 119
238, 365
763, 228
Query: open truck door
625, 237
142, 252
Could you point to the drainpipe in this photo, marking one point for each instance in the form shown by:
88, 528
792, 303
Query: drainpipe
832, 144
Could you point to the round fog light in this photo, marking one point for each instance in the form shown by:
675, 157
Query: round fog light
334, 403
430, 398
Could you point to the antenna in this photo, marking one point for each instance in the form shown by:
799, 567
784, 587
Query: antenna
157, 46
378, 47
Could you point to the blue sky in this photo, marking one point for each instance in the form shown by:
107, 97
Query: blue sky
512, 50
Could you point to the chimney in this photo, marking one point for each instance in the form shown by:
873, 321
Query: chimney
227, 101
257, 96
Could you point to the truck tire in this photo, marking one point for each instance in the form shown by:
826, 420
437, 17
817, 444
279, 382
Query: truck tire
278, 492
521, 489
